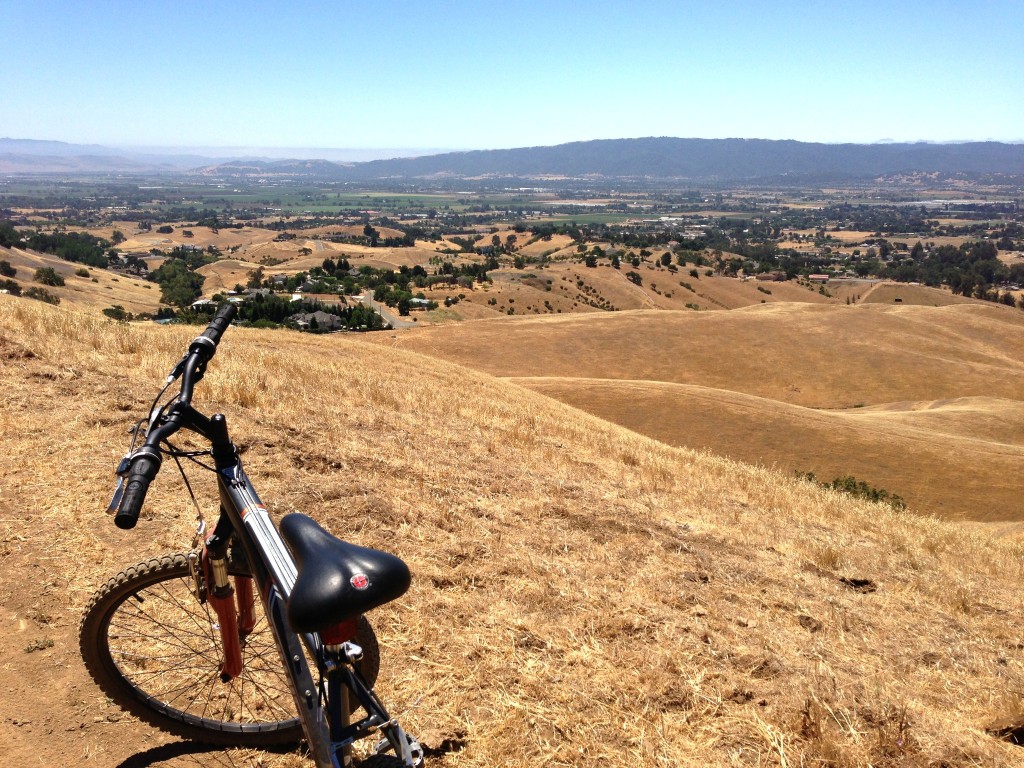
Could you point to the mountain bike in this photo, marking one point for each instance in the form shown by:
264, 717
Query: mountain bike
257, 635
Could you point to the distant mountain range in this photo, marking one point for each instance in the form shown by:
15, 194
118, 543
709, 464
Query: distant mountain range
650, 158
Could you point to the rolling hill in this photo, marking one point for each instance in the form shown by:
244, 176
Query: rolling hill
918, 400
582, 594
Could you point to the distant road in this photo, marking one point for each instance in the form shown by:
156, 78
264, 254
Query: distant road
385, 312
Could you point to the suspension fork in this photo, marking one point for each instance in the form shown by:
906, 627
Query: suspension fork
234, 604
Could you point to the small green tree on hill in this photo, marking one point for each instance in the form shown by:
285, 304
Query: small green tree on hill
48, 276
178, 286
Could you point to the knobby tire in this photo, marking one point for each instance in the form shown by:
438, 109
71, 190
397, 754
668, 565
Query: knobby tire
155, 650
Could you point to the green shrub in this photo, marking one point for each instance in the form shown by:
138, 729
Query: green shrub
48, 276
41, 294
117, 312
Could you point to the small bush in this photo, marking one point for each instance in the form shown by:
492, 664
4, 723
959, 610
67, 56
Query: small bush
41, 294
858, 488
47, 276
117, 312
82, 272
11, 287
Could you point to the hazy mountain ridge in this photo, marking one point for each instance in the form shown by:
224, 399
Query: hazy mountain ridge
720, 159
652, 157
37, 156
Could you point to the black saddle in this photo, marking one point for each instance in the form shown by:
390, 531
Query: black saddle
337, 581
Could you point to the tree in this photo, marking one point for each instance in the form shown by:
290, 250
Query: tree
117, 237
371, 234
9, 237
117, 312
42, 294
178, 286
47, 276
6, 269
255, 278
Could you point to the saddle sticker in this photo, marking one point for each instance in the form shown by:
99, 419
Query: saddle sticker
360, 581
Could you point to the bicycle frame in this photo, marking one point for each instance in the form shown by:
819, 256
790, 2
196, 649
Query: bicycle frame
323, 704
323, 707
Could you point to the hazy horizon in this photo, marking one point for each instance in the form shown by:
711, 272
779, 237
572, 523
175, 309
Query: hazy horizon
365, 154
409, 75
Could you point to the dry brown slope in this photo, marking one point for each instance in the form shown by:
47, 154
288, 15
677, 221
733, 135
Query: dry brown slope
905, 293
225, 274
99, 290
961, 459
810, 355
582, 595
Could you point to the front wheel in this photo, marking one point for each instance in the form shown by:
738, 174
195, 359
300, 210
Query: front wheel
154, 649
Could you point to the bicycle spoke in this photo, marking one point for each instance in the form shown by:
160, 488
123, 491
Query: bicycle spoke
168, 644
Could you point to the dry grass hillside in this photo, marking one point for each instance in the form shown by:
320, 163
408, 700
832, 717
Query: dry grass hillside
920, 401
582, 595
957, 458
93, 292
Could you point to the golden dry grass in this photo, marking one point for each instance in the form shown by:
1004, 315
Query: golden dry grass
811, 355
956, 459
582, 594
744, 384
99, 290
905, 293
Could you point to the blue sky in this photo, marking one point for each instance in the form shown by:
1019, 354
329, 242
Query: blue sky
470, 75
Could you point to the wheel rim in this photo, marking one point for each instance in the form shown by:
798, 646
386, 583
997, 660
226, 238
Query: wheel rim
166, 645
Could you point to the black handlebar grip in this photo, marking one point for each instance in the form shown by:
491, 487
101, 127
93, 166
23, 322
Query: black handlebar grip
220, 322
141, 474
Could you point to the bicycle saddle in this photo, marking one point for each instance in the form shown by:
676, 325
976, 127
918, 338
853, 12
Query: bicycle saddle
337, 581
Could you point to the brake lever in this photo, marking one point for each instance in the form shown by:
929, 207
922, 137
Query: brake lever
178, 369
122, 473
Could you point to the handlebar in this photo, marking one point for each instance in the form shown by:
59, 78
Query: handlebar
140, 468
220, 323
141, 473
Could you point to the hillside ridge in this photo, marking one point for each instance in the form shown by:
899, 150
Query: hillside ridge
601, 597
662, 157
